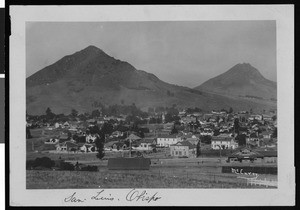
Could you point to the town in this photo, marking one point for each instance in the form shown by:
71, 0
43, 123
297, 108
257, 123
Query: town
180, 131
165, 135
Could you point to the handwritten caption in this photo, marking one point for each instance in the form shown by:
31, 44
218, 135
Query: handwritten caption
134, 195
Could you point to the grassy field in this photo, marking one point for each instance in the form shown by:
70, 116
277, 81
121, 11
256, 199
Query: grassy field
128, 179
167, 173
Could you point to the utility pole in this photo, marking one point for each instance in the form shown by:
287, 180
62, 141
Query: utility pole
129, 145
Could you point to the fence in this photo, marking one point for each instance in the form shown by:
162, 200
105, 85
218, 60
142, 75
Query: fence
262, 182
190, 179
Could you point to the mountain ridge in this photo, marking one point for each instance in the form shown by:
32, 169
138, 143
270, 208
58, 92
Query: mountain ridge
90, 75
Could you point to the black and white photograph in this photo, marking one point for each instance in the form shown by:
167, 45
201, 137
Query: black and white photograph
138, 105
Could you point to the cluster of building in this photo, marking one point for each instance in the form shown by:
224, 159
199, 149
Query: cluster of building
219, 127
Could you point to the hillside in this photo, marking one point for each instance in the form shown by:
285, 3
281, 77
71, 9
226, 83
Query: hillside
89, 76
241, 80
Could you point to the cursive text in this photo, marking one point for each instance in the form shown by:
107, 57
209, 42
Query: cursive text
136, 195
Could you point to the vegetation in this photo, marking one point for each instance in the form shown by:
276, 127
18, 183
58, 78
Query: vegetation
241, 139
134, 179
198, 149
100, 146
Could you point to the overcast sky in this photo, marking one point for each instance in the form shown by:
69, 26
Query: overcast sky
181, 52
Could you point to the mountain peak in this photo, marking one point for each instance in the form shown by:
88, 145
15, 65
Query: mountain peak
92, 49
242, 79
244, 66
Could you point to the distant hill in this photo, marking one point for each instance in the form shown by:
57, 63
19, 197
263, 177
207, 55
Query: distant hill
241, 80
85, 78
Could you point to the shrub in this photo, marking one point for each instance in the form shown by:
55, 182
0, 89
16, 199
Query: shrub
67, 166
89, 168
43, 162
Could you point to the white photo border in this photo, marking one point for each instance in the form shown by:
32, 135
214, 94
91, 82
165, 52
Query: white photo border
284, 16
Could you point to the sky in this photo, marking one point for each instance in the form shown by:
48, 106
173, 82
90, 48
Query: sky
185, 53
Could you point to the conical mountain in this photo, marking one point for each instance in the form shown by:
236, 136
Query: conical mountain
88, 77
241, 80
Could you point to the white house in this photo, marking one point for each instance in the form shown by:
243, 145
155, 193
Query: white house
266, 134
167, 140
207, 132
88, 148
253, 139
52, 141
57, 125
67, 146
91, 138
66, 124
184, 148
193, 139
223, 142
146, 144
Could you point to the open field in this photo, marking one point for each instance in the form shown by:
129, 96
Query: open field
163, 173
129, 179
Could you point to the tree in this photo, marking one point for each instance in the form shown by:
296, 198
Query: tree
206, 139
251, 111
100, 146
48, 111
82, 117
216, 132
174, 130
198, 149
95, 113
74, 113
150, 109
107, 128
236, 125
49, 114
28, 134
274, 134
168, 118
241, 139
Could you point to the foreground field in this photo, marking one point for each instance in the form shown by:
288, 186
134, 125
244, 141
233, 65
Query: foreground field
128, 179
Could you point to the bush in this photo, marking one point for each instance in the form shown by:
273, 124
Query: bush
43, 162
89, 168
67, 166
29, 164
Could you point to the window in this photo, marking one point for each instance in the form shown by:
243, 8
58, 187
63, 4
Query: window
179, 152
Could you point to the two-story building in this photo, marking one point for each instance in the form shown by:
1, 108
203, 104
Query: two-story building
223, 142
183, 148
167, 140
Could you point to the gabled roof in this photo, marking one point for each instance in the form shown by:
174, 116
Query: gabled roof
147, 140
184, 144
222, 137
109, 144
88, 145
193, 136
70, 144
266, 133
270, 153
167, 136
246, 153
133, 137
253, 135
